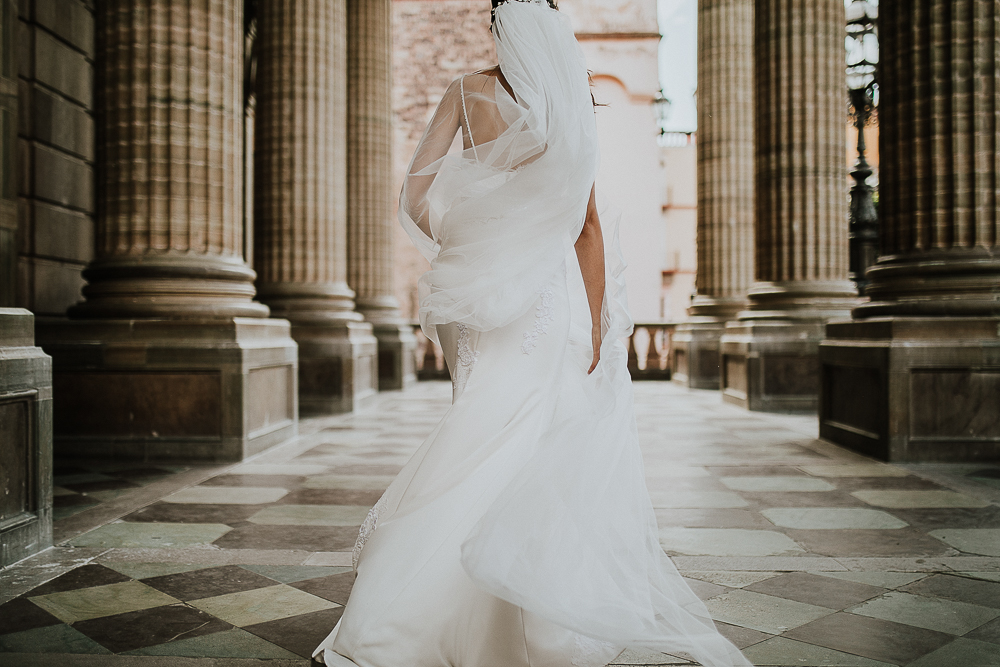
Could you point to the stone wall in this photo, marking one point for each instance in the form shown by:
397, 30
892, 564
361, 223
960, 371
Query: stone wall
55, 152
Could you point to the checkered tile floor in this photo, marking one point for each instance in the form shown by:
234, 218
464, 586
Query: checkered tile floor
805, 554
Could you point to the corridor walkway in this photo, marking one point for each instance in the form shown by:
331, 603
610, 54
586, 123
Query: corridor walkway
805, 554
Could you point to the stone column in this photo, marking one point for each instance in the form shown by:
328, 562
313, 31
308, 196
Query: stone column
300, 200
769, 356
916, 375
725, 187
169, 356
370, 205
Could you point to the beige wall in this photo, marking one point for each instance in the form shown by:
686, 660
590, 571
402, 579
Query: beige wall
680, 223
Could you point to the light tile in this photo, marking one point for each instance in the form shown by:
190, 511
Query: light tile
731, 579
726, 542
51, 639
289, 574
917, 499
986, 576
233, 643
351, 482
880, 579
696, 499
832, 518
227, 495
781, 652
276, 469
765, 613
655, 468
261, 605
86, 603
855, 470
778, 483
176, 535
632, 657
964, 652
311, 515
982, 541
955, 618
146, 570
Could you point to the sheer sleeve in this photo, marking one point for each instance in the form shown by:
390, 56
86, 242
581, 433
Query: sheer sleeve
433, 147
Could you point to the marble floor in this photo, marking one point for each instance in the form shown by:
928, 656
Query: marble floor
806, 554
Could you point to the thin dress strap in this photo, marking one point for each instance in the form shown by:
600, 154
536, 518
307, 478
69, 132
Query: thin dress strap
465, 112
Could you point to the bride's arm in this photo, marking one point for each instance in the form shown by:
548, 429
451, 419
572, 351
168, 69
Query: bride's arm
590, 252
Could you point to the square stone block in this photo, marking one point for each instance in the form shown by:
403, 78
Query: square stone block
913, 389
338, 369
397, 356
695, 357
771, 365
25, 439
172, 389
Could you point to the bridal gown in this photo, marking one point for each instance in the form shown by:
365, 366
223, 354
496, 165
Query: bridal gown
521, 533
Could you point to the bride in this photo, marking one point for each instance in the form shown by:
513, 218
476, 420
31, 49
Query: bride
521, 532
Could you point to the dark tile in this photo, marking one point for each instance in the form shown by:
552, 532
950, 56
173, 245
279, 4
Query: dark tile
149, 627
209, 582
685, 484
957, 517
86, 576
765, 499
959, 589
185, 513
331, 497
142, 473
741, 637
816, 590
335, 588
23, 614
106, 485
366, 469
66, 470
709, 518
910, 483
903, 542
873, 638
301, 538
73, 500
299, 634
280, 481
989, 632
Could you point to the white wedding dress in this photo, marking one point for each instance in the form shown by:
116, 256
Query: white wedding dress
521, 533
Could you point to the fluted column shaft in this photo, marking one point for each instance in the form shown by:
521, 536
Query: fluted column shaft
369, 157
725, 156
169, 112
939, 119
300, 241
801, 204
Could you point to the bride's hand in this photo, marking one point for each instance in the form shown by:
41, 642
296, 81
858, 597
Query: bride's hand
595, 340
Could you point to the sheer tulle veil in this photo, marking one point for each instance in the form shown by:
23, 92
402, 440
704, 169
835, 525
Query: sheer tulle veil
573, 537
495, 221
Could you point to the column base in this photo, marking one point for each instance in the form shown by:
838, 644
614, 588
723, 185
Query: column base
912, 388
695, 354
338, 366
25, 439
771, 365
163, 390
397, 356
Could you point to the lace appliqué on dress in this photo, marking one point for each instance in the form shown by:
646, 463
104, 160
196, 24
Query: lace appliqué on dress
367, 528
543, 318
590, 652
465, 359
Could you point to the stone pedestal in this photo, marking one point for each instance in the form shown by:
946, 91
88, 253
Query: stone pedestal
725, 187
769, 356
25, 439
916, 375
300, 200
913, 388
161, 390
